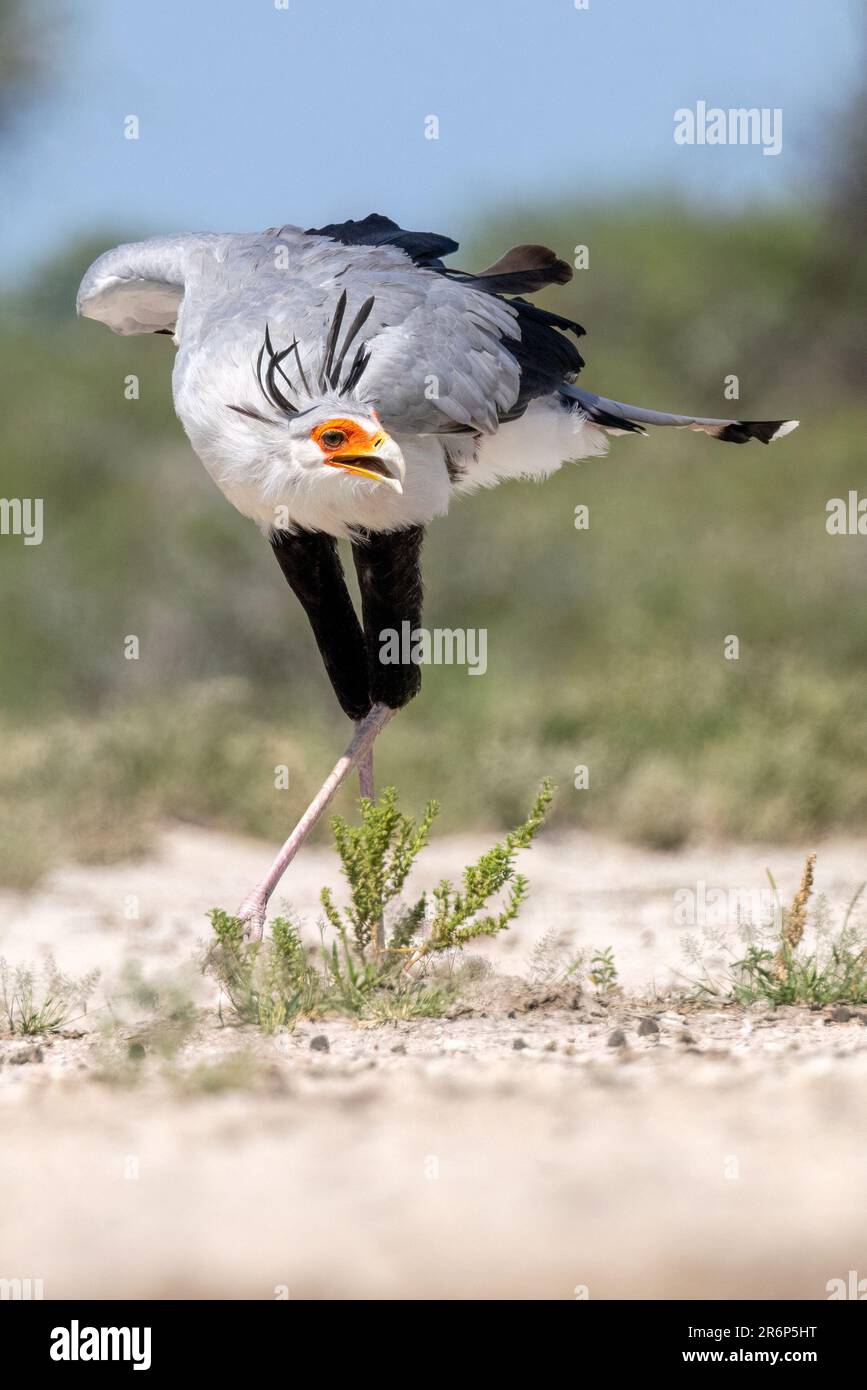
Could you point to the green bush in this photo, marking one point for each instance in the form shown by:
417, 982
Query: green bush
374, 966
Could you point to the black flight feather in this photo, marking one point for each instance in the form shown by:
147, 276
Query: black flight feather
424, 248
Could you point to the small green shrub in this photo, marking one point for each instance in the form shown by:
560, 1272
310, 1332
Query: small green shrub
376, 857
373, 966
270, 982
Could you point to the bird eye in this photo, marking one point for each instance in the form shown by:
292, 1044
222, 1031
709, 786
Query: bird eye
332, 439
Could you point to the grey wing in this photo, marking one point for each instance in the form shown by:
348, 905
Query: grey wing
441, 361
139, 287
439, 358
439, 355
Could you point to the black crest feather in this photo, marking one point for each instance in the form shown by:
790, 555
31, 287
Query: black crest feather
357, 323
331, 341
269, 363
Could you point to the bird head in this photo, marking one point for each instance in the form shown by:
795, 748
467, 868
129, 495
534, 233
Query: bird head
328, 430
348, 437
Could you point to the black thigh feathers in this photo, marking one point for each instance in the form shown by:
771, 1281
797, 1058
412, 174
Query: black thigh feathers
311, 564
389, 578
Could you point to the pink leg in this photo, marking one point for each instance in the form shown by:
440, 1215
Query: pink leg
252, 910
366, 787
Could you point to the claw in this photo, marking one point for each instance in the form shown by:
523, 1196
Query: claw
252, 911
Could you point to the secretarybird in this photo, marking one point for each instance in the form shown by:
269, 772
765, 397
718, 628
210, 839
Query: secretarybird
343, 383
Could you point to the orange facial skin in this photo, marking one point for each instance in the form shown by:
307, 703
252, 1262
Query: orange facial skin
346, 444
355, 439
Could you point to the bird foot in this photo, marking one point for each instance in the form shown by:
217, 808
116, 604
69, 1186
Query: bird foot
252, 914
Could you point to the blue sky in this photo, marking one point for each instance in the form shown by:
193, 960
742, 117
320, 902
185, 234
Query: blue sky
253, 115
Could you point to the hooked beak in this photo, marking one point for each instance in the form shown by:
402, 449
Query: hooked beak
380, 460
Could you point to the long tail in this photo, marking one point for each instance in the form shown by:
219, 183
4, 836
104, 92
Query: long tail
618, 418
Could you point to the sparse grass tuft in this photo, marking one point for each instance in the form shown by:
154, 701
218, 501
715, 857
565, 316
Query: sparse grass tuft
155, 1014
42, 1001
371, 970
795, 920
778, 967
552, 962
603, 971
146, 1017
239, 1071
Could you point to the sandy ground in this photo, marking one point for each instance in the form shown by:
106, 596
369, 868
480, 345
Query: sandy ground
520, 1150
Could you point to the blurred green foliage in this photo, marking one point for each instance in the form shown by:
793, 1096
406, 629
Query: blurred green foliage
605, 646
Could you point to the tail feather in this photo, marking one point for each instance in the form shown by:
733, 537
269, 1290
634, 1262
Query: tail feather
523, 270
619, 418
